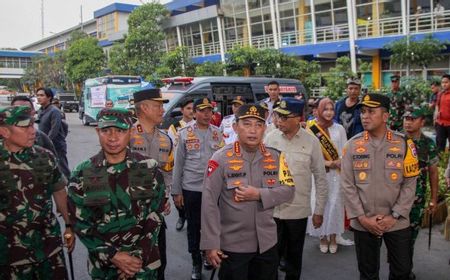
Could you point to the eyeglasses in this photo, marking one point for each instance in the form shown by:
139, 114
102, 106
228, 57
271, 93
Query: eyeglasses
285, 118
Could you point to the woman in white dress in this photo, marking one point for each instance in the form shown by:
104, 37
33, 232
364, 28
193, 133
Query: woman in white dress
333, 138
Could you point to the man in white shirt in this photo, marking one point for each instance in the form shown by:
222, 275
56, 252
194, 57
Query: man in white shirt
226, 127
273, 89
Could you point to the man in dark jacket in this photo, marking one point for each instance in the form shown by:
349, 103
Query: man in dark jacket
347, 113
50, 123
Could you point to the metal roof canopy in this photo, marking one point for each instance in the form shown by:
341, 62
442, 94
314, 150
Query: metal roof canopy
18, 53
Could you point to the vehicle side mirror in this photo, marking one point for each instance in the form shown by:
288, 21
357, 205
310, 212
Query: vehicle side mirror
176, 113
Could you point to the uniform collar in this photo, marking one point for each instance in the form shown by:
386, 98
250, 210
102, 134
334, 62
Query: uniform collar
297, 135
139, 128
5, 154
389, 135
259, 153
99, 160
195, 126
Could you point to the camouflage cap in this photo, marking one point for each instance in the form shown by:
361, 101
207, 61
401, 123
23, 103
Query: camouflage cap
353, 81
395, 78
16, 115
415, 112
116, 117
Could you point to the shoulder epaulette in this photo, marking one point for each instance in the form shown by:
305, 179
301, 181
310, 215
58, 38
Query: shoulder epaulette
177, 124
357, 136
399, 134
214, 127
274, 149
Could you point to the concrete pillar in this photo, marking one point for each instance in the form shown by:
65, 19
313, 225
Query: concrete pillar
180, 42
274, 24
313, 19
249, 27
221, 42
352, 33
201, 38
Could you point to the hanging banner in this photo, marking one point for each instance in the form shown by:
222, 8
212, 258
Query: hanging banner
98, 96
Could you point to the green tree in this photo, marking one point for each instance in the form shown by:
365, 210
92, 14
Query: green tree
11, 84
209, 69
75, 36
309, 74
242, 61
176, 63
336, 79
84, 59
118, 60
145, 38
46, 70
269, 62
419, 53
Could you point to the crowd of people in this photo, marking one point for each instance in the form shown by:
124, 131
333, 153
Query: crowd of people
249, 189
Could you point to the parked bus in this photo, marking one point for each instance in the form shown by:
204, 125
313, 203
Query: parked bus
96, 91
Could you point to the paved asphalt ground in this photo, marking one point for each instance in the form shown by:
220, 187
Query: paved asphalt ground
433, 264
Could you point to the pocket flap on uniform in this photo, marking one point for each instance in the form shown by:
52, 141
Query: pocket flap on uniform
393, 164
235, 182
361, 164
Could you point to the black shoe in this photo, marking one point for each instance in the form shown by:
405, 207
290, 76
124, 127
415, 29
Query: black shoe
196, 272
412, 276
180, 224
282, 265
207, 265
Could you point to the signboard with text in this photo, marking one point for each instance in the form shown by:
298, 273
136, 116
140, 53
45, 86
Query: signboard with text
98, 96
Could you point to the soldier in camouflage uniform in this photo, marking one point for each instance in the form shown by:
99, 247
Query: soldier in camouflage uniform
30, 237
115, 202
399, 101
413, 121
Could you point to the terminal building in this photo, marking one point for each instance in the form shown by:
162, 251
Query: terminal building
309, 29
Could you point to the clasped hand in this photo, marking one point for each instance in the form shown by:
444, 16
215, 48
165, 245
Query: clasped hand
378, 224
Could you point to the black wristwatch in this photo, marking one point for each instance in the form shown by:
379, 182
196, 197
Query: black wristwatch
68, 225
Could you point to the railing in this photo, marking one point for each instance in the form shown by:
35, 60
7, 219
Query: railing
426, 22
263, 42
230, 44
380, 27
294, 38
418, 23
332, 33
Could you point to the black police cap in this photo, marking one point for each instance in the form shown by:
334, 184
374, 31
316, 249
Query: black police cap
149, 94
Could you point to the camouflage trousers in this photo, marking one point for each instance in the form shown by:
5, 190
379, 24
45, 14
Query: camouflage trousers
53, 268
416, 215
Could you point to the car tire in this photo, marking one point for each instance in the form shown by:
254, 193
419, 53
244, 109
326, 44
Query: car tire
84, 120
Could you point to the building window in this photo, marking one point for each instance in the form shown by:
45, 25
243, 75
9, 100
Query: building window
105, 26
13, 62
